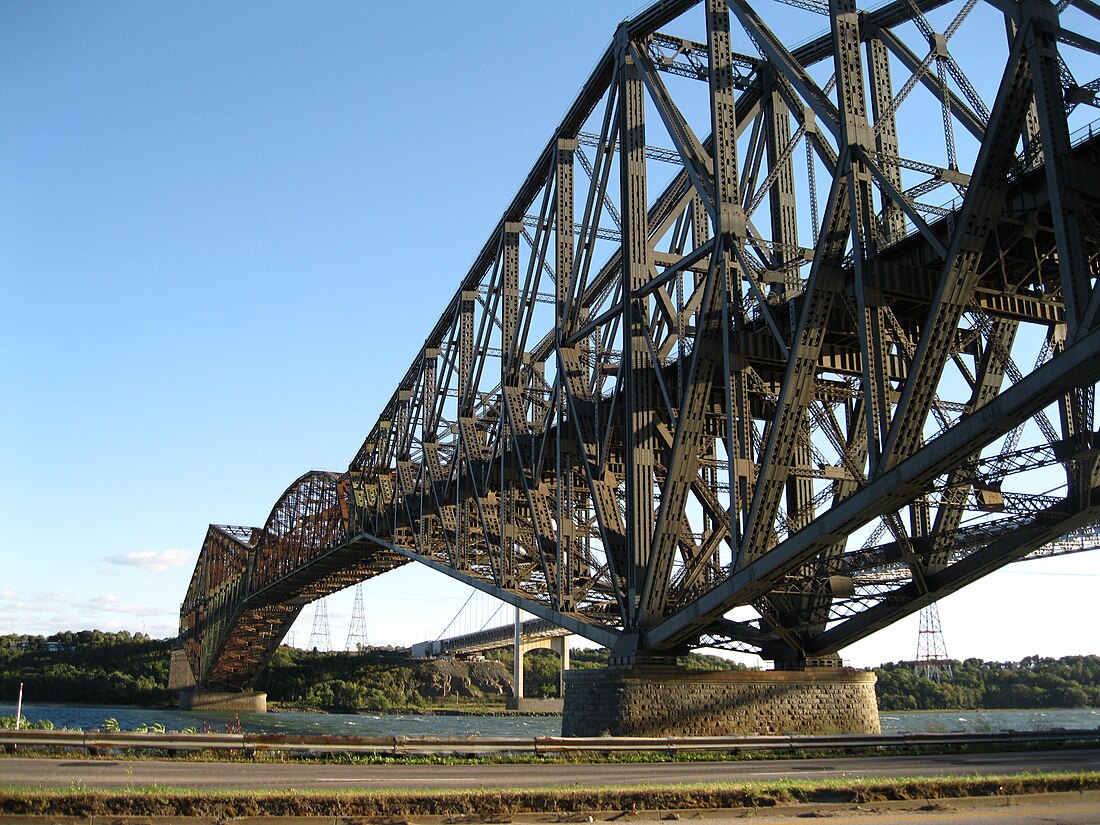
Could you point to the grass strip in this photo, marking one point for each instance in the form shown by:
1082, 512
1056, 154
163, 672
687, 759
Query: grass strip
156, 801
595, 756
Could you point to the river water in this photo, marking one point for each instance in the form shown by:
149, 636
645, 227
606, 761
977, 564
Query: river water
363, 724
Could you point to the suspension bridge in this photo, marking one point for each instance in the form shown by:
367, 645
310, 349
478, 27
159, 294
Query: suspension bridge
779, 341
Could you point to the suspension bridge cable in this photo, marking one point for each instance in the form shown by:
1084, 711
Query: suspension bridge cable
499, 607
456, 615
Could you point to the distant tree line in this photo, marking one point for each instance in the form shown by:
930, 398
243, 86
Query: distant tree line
94, 667
1034, 682
91, 667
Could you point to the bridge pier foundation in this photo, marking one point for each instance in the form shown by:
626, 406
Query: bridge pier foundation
245, 702
664, 700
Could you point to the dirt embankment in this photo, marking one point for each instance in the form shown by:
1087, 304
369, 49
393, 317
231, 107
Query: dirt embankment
463, 678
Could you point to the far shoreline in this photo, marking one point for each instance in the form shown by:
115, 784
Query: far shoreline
276, 707
287, 708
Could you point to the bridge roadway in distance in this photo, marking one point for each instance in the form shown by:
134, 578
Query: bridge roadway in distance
533, 632
221, 776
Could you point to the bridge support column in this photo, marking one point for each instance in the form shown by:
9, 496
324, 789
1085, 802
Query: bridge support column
180, 675
665, 700
558, 644
245, 702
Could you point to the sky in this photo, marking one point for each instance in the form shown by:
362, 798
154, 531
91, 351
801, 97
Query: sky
225, 230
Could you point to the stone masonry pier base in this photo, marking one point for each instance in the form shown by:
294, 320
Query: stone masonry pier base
536, 706
674, 701
247, 702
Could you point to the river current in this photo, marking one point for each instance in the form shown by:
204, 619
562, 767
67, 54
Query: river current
87, 717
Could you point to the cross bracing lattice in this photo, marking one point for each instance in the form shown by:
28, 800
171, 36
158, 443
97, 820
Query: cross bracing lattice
779, 341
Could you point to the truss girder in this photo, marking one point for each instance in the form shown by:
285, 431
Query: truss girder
652, 401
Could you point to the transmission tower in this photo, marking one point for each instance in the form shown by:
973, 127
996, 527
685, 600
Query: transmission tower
318, 638
357, 631
932, 658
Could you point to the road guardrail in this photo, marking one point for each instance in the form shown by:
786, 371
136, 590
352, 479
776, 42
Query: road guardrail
96, 741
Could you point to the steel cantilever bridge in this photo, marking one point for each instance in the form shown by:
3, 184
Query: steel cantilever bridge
774, 346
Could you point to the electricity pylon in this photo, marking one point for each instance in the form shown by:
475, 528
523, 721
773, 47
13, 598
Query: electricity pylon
319, 638
932, 658
357, 631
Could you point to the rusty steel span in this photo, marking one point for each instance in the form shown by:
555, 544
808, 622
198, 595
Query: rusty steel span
774, 345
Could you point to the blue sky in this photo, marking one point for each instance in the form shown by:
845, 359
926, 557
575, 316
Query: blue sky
225, 229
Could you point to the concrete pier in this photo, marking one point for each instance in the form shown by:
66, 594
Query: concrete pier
180, 676
245, 702
662, 700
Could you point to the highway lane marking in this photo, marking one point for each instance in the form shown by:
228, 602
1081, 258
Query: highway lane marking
955, 814
391, 779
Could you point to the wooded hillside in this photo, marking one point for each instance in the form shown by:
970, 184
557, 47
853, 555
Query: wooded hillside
1034, 682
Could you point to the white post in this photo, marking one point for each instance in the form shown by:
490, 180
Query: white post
564, 653
19, 706
517, 660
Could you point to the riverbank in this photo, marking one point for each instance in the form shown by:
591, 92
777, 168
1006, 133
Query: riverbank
473, 710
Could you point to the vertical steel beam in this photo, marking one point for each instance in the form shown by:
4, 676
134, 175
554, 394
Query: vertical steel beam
858, 139
513, 418
466, 391
469, 441
429, 433
569, 567
886, 134
706, 356
1033, 144
1068, 208
564, 234
577, 381
786, 257
783, 205
723, 118
636, 371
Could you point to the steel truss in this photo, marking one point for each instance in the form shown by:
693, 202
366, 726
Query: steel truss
686, 398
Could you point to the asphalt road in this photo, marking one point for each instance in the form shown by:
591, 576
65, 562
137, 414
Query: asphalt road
99, 773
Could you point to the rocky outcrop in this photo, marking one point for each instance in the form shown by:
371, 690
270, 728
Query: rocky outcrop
464, 678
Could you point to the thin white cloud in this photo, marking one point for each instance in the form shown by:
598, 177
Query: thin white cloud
110, 603
31, 600
155, 561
